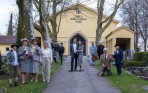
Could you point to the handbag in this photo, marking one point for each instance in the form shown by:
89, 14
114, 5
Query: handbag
94, 58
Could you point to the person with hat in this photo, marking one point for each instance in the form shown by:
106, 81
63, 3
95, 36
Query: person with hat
34, 64
12, 60
118, 56
47, 59
24, 54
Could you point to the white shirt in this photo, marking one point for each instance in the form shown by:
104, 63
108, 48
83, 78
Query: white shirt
75, 47
15, 58
47, 53
106, 55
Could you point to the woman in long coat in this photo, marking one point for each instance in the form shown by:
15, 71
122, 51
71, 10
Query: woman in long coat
24, 54
80, 55
34, 64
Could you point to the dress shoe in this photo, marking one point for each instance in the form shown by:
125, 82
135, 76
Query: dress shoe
15, 84
70, 70
11, 85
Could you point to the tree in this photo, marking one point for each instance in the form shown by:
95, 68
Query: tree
48, 14
10, 26
103, 24
135, 17
25, 22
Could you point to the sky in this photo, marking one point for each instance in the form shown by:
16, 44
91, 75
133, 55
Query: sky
6, 7
9, 6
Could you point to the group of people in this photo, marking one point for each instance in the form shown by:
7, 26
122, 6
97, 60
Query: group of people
26, 59
106, 58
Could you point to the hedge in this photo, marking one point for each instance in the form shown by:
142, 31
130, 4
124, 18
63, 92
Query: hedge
140, 56
134, 63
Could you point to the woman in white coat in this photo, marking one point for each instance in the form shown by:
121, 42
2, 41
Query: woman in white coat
47, 59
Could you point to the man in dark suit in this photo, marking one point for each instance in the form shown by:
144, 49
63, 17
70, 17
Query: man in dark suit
100, 48
62, 50
74, 54
118, 55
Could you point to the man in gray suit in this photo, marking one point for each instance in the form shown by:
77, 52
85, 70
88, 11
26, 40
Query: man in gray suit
12, 59
105, 61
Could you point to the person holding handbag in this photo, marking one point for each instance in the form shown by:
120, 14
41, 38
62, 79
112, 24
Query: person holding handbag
24, 54
93, 51
47, 59
35, 62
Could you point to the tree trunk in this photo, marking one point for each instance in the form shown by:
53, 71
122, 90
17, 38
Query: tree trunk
145, 45
98, 35
25, 18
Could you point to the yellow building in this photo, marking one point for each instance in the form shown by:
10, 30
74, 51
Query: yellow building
5, 43
82, 24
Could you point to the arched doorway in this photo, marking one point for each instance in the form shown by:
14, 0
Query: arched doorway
79, 38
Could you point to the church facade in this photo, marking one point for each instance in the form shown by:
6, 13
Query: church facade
82, 24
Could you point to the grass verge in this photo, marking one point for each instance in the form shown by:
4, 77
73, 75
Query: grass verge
126, 83
30, 87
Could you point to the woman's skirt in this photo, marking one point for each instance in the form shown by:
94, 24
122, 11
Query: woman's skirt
24, 66
80, 59
34, 67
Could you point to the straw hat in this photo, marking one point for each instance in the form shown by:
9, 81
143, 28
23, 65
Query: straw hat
24, 39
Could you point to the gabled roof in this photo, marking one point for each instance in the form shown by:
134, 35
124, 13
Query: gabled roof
7, 39
85, 6
119, 28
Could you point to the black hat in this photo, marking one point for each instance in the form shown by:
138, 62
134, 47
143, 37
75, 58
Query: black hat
14, 45
117, 45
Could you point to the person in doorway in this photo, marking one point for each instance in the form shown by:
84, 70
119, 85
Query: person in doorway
118, 55
80, 55
74, 54
47, 59
105, 61
100, 48
56, 51
12, 60
93, 50
62, 50
24, 54
34, 64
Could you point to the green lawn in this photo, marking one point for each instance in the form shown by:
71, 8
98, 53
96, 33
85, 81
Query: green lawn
126, 83
30, 87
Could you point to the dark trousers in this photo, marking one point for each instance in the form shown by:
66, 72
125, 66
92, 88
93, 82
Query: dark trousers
61, 56
109, 73
99, 55
55, 60
119, 68
75, 57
